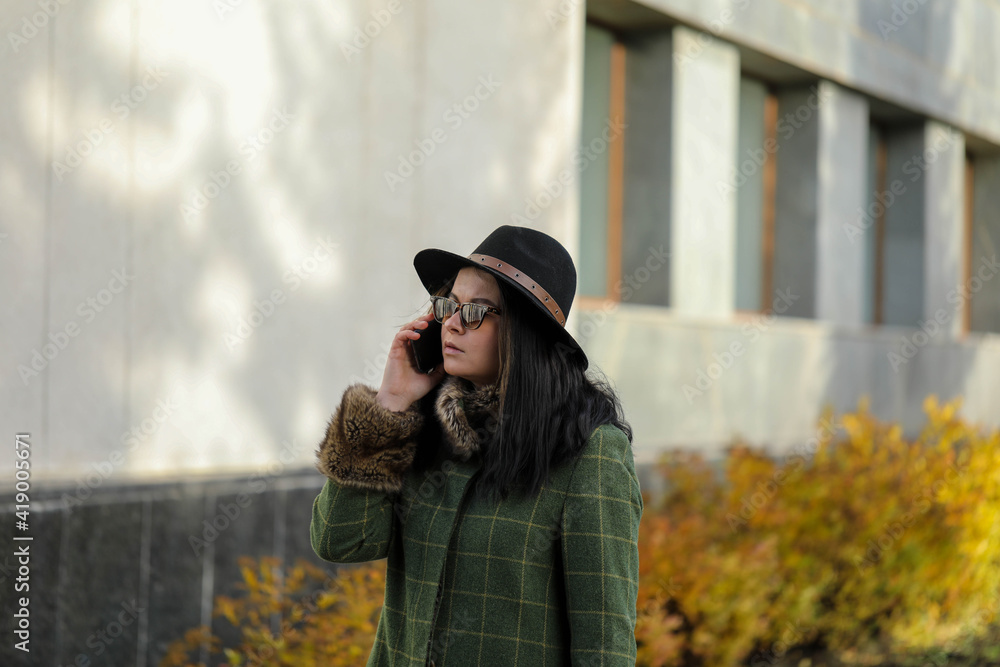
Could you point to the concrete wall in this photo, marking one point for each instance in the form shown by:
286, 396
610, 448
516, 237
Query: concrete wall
188, 290
766, 379
226, 241
937, 57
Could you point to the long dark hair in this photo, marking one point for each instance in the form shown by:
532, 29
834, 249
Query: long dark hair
549, 405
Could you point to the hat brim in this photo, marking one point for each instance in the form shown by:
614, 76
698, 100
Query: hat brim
436, 267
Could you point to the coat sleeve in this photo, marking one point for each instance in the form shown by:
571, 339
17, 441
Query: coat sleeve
364, 456
600, 551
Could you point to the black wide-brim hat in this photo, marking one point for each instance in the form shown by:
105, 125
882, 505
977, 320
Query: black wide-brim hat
531, 262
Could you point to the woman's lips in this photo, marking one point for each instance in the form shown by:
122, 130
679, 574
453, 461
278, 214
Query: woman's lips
451, 349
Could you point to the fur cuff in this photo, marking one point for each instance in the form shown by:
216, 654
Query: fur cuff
367, 446
467, 414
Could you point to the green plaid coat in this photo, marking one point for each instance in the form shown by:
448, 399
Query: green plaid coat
549, 580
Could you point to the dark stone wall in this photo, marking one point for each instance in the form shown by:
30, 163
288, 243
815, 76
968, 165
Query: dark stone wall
115, 579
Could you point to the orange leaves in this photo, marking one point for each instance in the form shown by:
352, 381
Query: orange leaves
877, 544
324, 620
178, 652
663, 644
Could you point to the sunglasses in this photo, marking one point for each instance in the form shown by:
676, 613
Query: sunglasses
471, 314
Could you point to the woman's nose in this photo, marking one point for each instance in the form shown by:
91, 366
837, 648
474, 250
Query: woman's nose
455, 321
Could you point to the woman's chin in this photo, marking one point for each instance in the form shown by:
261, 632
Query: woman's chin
456, 369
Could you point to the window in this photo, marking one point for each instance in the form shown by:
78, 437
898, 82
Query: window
754, 181
873, 223
601, 161
898, 203
625, 153
980, 288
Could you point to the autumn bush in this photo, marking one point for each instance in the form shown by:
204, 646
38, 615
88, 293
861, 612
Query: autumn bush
861, 546
858, 547
300, 618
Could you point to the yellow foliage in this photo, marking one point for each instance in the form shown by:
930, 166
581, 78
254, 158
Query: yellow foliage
876, 547
323, 620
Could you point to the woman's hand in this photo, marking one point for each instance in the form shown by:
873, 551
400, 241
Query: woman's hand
402, 383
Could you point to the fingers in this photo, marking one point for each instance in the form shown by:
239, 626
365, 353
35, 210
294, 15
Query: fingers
404, 336
411, 330
414, 326
421, 322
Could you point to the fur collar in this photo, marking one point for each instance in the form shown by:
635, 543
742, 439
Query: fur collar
466, 413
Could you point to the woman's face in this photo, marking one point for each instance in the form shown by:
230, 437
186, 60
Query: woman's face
477, 357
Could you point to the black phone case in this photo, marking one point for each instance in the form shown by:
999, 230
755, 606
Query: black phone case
427, 348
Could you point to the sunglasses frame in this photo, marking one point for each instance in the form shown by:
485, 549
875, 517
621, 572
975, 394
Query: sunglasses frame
460, 307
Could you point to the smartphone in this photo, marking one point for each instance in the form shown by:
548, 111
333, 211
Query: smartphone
427, 348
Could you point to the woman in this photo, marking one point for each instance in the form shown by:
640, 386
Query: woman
500, 486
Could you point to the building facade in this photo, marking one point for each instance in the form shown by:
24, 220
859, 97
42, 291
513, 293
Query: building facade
822, 177
208, 214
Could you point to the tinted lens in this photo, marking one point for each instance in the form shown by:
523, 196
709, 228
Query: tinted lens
473, 313
443, 308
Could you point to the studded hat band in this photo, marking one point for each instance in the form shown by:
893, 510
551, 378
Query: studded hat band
525, 281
